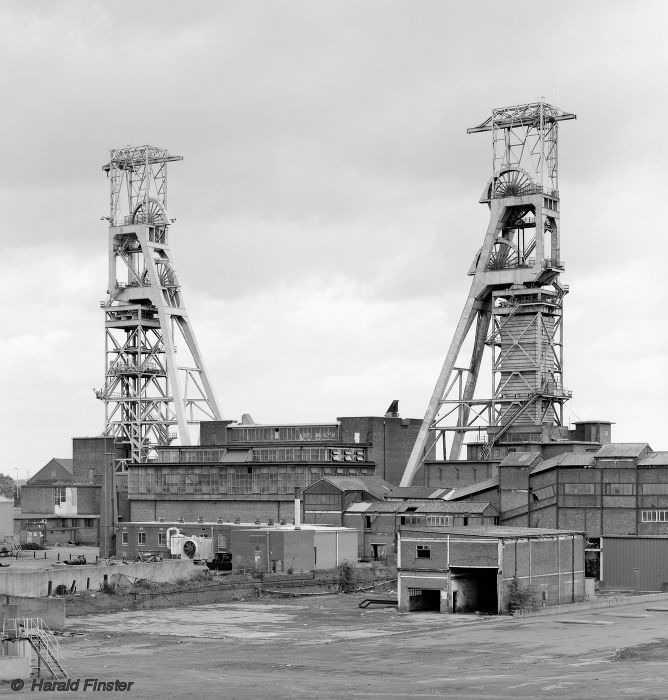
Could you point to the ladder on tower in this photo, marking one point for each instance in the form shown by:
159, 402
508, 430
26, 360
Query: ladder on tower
48, 654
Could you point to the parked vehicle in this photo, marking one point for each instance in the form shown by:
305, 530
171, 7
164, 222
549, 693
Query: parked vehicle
222, 561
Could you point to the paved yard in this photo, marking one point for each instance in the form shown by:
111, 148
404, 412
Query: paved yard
327, 647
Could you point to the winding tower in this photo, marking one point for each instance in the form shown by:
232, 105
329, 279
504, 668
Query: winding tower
151, 394
514, 305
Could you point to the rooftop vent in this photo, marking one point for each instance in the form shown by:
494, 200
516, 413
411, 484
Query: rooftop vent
220, 521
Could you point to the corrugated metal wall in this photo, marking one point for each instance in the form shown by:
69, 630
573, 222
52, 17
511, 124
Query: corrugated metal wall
635, 563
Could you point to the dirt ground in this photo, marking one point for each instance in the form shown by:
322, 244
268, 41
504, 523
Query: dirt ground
326, 647
47, 558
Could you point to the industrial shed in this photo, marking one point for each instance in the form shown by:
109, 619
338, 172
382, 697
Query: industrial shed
458, 570
634, 563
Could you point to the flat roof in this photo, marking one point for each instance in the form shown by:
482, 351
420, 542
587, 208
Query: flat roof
241, 526
496, 531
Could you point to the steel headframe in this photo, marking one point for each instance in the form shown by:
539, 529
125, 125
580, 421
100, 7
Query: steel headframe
515, 290
150, 398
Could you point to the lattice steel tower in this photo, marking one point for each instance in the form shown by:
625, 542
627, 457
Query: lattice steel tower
151, 394
516, 300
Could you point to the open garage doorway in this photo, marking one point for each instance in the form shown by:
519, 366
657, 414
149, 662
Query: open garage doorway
424, 600
473, 590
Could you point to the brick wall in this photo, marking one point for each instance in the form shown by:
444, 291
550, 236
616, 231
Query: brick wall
459, 474
37, 499
246, 511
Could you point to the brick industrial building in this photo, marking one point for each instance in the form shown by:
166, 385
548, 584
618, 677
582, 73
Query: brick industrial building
247, 471
470, 569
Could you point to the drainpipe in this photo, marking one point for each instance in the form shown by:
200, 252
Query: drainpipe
298, 509
573, 568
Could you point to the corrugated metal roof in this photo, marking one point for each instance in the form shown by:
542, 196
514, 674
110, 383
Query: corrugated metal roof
418, 507
417, 492
371, 484
656, 459
465, 491
489, 531
622, 450
519, 459
567, 459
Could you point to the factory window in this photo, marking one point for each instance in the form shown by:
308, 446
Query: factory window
619, 489
423, 551
162, 539
654, 516
367, 522
579, 489
141, 538
412, 519
322, 499
59, 495
222, 543
439, 520
545, 492
655, 489
124, 537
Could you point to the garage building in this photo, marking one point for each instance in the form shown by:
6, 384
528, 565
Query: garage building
470, 569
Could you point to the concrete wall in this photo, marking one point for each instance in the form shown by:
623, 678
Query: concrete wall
6, 518
552, 567
334, 548
14, 660
51, 610
35, 583
276, 508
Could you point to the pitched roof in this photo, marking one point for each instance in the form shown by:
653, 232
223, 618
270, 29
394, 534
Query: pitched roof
519, 459
465, 491
56, 470
417, 492
489, 531
658, 459
371, 484
565, 459
622, 450
418, 507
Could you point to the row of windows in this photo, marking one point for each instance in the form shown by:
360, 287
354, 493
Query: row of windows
141, 539
267, 454
609, 489
234, 480
287, 433
654, 516
322, 499
612, 489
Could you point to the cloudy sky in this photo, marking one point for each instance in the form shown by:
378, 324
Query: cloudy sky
327, 202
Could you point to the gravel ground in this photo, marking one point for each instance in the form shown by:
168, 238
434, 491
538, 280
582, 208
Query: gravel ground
326, 647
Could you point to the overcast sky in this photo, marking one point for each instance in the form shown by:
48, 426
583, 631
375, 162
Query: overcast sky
327, 202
